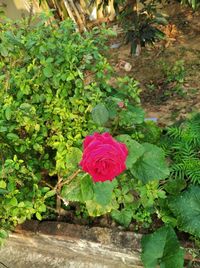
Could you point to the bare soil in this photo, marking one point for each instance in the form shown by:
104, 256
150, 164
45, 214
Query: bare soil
182, 42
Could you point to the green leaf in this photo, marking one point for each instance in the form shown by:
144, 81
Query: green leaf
12, 136
25, 106
13, 202
186, 207
87, 188
175, 186
103, 192
50, 194
21, 205
38, 216
3, 51
132, 116
162, 248
72, 192
100, 114
73, 157
3, 234
160, 20
95, 209
2, 184
112, 106
151, 166
42, 208
3, 129
2, 191
48, 71
123, 217
8, 113
135, 150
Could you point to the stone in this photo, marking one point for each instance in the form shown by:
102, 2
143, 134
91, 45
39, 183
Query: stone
63, 245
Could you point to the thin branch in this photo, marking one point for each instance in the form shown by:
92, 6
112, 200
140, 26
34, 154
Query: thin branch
4, 264
70, 178
47, 184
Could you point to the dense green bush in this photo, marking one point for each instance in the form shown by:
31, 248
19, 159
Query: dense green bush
55, 90
46, 103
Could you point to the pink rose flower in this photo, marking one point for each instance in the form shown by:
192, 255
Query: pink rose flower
121, 104
103, 157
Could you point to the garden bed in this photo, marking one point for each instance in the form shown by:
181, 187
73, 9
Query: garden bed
76, 146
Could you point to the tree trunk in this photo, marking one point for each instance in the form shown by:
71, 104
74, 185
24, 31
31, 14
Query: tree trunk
111, 10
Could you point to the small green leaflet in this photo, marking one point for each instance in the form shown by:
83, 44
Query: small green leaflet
38, 216
123, 217
100, 114
48, 71
8, 113
2, 184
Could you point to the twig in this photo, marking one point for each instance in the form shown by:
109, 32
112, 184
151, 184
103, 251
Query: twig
50, 208
4, 264
70, 178
49, 185
58, 199
58, 188
116, 122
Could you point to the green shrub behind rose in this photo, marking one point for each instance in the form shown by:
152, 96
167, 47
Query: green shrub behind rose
51, 77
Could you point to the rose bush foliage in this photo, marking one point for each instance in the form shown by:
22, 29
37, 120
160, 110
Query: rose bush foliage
46, 99
55, 91
52, 79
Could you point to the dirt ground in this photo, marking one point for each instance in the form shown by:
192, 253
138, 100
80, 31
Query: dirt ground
182, 42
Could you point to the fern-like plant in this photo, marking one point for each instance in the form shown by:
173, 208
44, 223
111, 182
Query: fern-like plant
182, 146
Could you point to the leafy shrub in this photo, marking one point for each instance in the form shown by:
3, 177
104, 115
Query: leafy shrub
121, 115
169, 84
174, 77
55, 91
46, 100
180, 206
